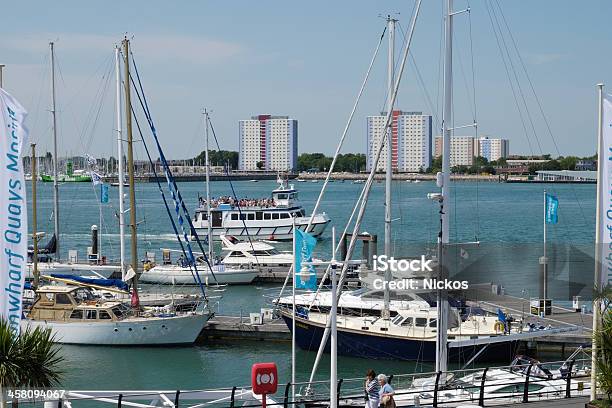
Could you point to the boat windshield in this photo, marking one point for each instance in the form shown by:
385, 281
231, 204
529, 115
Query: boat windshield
120, 311
82, 294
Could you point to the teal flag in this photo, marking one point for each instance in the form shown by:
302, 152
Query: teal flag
305, 275
104, 193
552, 205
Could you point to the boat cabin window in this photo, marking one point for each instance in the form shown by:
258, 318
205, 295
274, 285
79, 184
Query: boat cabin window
243, 217
250, 216
91, 314
76, 314
120, 311
267, 216
103, 315
433, 323
282, 196
62, 299
236, 254
420, 322
408, 322
47, 298
258, 216
397, 319
284, 215
204, 215
275, 216
234, 217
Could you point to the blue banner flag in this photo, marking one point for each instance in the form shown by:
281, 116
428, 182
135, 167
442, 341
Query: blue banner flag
305, 275
552, 205
104, 193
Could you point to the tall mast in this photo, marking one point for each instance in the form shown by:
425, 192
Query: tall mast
130, 157
598, 238
34, 219
120, 176
208, 218
442, 298
389, 173
55, 159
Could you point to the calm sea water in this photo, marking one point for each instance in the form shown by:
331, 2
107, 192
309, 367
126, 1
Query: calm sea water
507, 217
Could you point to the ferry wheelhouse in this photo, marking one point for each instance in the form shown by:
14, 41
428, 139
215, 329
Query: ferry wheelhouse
269, 218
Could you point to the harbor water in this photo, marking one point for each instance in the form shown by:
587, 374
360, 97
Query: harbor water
507, 217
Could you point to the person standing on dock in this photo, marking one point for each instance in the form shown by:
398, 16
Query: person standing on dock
372, 389
386, 392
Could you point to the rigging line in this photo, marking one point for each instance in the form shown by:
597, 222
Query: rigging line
226, 171
503, 57
475, 119
339, 146
520, 88
368, 184
537, 98
421, 81
172, 186
175, 192
43, 76
195, 275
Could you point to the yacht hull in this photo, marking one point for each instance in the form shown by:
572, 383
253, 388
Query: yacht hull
77, 269
175, 330
172, 274
308, 336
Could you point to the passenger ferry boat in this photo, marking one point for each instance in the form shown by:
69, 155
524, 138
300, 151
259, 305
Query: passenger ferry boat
269, 218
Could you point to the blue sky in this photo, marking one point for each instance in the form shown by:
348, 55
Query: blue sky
306, 60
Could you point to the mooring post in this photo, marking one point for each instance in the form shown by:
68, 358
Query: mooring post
286, 398
435, 398
176, 398
338, 391
482, 385
232, 398
568, 385
526, 389
119, 400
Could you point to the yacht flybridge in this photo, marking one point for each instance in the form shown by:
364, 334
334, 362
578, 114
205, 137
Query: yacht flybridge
270, 218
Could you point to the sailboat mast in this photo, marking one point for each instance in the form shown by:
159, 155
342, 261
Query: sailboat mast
130, 157
389, 173
120, 176
34, 219
442, 296
208, 214
56, 229
598, 238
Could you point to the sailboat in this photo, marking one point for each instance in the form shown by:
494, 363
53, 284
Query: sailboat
181, 272
78, 316
427, 333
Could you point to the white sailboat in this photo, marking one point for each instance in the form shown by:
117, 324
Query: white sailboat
211, 271
77, 316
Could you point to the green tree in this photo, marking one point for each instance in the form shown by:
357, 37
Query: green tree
568, 163
260, 165
30, 359
436, 165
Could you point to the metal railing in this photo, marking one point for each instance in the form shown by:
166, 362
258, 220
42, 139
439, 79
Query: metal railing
489, 386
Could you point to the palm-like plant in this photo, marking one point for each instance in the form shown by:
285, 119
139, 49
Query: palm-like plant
30, 359
603, 342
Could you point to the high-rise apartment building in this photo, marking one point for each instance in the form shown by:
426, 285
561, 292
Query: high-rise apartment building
493, 149
463, 150
268, 143
410, 141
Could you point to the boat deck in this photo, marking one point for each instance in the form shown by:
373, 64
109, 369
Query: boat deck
517, 306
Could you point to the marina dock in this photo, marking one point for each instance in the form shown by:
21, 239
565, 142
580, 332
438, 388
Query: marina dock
242, 327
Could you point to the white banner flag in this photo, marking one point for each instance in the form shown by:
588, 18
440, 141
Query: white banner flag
13, 209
